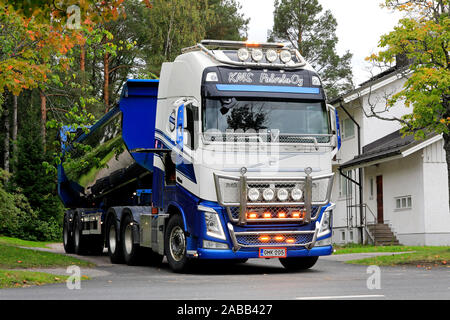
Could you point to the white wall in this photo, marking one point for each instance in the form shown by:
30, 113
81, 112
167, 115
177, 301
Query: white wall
374, 128
437, 215
421, 175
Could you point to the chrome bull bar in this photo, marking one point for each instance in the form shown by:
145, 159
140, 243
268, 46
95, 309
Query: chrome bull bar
239, 199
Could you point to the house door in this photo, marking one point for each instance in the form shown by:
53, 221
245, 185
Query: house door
380, 217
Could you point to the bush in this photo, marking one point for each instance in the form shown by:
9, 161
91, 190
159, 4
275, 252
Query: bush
18, 219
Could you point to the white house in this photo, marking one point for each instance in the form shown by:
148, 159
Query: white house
395, 189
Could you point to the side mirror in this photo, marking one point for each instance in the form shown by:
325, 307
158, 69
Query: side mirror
181, 124
335, 128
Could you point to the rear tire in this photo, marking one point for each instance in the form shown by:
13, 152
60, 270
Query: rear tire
68, 235
298, 263
112, 238
175, 244
129, 247
79, 240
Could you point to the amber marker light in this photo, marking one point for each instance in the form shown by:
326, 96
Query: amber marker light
267, 215
290, 240
282, 215
252, 215
264, 238
279, 238
297, 214
252, 44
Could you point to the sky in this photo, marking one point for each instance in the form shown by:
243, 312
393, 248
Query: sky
360, 25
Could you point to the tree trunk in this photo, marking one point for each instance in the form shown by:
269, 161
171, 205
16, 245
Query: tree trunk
447, 157
83, 58
83, 64
43, 118
168, 44
6, 153
14, 127
106, 81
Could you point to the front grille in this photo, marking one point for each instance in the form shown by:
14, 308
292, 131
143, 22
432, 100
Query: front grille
253, 240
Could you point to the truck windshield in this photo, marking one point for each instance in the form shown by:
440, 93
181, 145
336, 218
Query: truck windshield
286, 117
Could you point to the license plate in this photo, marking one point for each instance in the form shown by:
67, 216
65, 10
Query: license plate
272, 252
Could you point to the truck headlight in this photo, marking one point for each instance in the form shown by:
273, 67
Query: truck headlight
268, 194
213, 225
285, 56
253, 194
296, 194
324, 242
208, 244
243, 54
325, 223
282, 194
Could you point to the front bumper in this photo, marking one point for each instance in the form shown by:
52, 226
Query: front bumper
244, 242
254, 253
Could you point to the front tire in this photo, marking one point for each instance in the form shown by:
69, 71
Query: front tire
298, 263
175, 244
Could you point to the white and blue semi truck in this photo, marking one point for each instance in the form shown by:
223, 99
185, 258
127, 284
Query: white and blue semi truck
227, 156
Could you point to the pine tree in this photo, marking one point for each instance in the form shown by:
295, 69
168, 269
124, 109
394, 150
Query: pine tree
30, 176
227, 22
307, 28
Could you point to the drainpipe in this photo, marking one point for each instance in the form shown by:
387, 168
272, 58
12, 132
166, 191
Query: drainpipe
360, 184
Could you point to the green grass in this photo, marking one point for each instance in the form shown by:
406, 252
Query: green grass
357, 248
15, 279
422, 256
23, 243
13, 258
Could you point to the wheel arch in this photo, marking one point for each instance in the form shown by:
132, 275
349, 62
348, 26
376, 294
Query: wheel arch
174, 208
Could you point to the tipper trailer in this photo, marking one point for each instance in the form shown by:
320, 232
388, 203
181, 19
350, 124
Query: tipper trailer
226, 156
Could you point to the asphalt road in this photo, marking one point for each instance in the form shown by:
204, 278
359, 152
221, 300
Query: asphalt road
330, 278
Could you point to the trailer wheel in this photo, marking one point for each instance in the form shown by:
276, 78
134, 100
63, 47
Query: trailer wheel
175, 244
298, 263
67, 236
79, 240
130, 249
112, 238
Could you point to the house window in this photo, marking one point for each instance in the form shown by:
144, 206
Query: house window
343, 235
403, 202
348, 128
